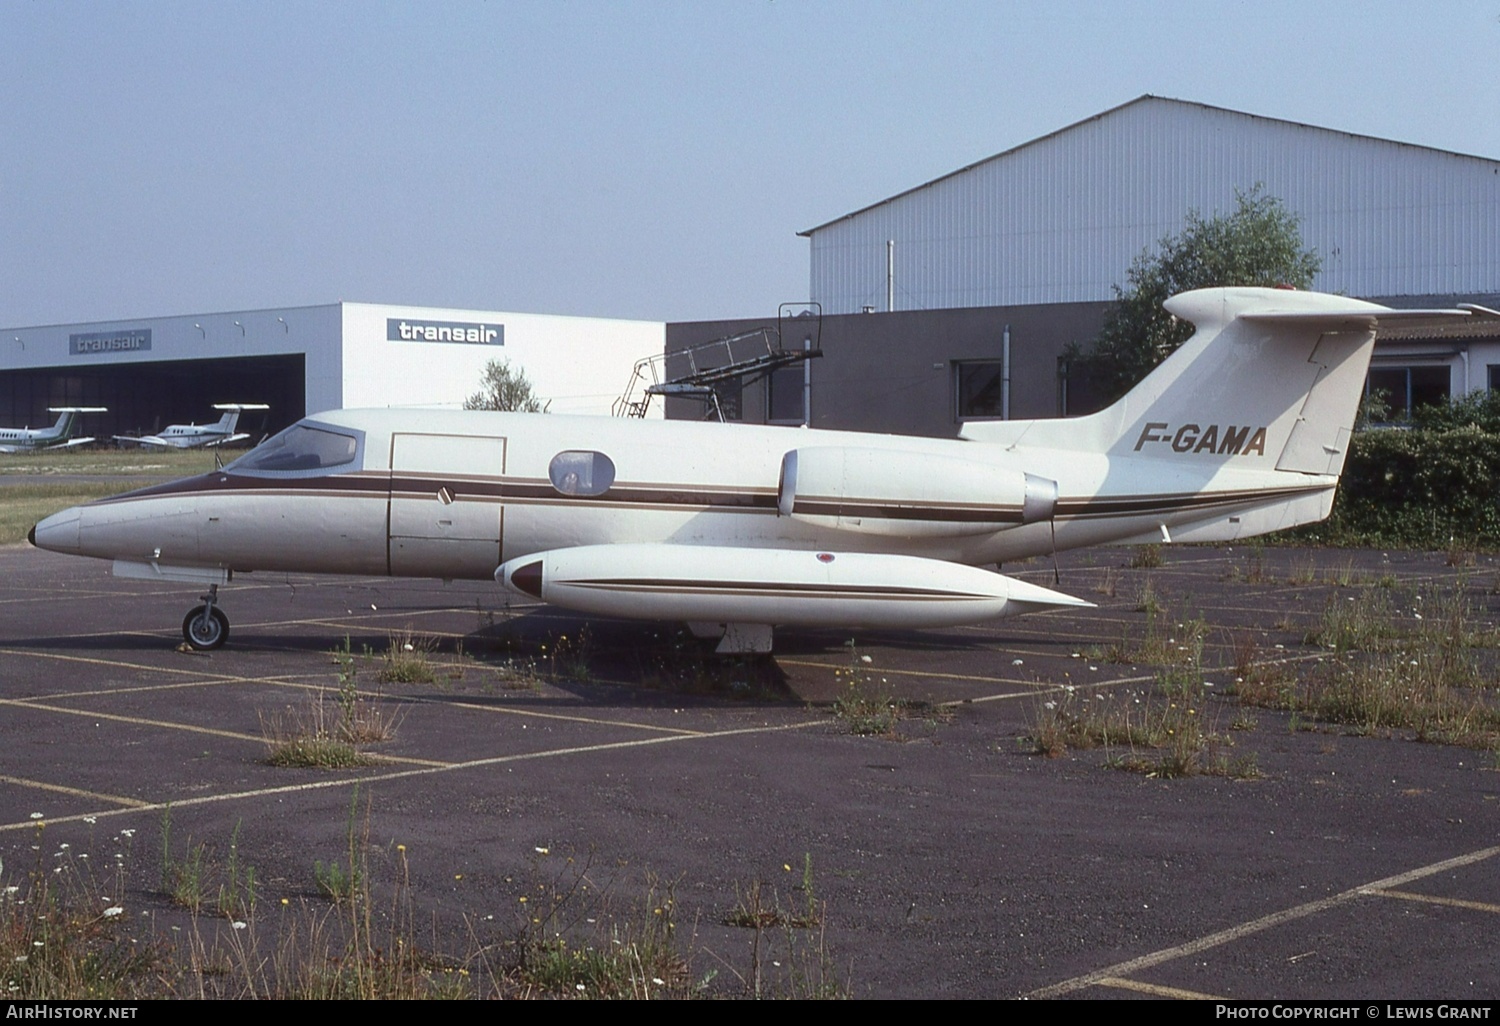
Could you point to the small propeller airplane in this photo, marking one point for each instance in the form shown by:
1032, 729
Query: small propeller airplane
195, 436
58, 436
736, 529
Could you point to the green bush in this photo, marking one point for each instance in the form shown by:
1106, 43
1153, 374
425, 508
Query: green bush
1432, 485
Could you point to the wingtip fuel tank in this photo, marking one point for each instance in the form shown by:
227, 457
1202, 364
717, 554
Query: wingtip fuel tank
772, 586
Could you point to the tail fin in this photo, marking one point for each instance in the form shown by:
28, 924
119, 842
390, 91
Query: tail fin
67, 418
232, 411
1270, 375
64, 426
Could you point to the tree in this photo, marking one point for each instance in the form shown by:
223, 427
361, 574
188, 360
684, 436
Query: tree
502, 387
1259, 244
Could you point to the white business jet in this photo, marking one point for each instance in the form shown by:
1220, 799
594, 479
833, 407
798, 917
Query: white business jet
58, 436
736, 529
196, 436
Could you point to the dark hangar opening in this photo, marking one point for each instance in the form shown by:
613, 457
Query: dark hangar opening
143, 398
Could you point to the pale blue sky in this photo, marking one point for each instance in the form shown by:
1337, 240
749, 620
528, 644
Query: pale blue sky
630, 159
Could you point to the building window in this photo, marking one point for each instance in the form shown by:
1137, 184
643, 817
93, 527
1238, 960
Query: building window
979, 389
1403, 389
1494, 370
784, 396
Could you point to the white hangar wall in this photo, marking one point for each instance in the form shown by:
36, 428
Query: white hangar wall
151, 371
1059, 219
403, 356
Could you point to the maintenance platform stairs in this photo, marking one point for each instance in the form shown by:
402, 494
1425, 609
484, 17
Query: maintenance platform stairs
693, 373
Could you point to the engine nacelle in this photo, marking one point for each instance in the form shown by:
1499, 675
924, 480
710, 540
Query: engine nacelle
908, 494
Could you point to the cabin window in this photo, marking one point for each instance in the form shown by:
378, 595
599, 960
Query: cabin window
580, 472
300, 449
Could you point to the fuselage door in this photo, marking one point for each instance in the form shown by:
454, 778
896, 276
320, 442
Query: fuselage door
446, 512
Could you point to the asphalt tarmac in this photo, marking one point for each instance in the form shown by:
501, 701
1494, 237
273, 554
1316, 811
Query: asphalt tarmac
948, 860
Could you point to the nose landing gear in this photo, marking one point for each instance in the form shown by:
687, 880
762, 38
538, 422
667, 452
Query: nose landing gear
206, 627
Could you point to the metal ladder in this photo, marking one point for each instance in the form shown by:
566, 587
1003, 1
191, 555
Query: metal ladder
692, 372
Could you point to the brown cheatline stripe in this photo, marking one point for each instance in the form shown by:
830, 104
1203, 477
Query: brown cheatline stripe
376, 484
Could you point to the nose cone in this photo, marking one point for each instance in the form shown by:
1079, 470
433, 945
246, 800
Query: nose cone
59, 532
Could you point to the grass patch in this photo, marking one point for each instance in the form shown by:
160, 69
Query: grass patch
1431, 693
303, 749
328, 735
309, 738
568, 656
68, 935
1371, 620
752, 911
1146, 601
865, 704
196, 882
407, 660
1416, 665
1145, 557
1166, 642
788, 954
101, 461
1254, 569
575, 943
60, 942
679, 661
1159, 735
25, 504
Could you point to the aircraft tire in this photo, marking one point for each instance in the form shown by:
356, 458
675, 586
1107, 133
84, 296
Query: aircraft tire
205, 632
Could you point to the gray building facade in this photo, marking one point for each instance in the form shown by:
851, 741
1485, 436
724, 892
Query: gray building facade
912, 372
1036, 237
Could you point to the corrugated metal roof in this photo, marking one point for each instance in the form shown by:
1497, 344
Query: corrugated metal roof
1143, 98
1061, 218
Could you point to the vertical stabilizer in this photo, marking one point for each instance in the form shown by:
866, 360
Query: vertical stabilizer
1270, 378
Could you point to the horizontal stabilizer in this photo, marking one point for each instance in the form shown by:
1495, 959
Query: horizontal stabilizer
1358, 320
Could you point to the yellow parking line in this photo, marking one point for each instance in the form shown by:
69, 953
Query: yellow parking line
1120, 983
279, 680
375, 778
1213, 940
119, 665
904, 673
591, 720
1481, 906
141, 721
76, 792
1049, 688
144, 721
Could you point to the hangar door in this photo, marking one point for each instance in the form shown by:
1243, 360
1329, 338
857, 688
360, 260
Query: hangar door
445, 509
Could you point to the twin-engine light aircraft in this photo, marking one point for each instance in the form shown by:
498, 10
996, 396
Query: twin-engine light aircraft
58, 436
195, 436
736, 528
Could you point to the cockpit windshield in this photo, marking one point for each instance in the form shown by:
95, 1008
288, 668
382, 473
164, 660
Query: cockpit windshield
303, 450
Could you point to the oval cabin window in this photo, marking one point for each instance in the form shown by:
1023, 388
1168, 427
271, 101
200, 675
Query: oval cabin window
577, 472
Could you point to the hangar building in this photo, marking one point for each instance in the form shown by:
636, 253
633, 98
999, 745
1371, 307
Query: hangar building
153, 371
918, 289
